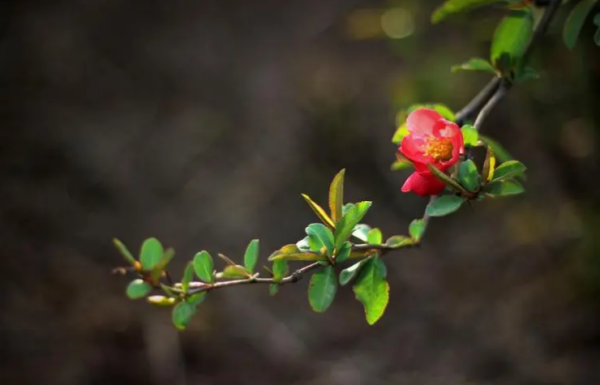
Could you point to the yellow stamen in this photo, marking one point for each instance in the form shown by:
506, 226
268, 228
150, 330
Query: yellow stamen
439, 148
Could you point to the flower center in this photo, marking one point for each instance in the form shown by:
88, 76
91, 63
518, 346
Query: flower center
439, 148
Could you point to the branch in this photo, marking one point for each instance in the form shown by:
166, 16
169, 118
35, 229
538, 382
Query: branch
483, 103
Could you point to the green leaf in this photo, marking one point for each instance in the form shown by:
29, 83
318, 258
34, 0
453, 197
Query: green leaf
444, 205
322, 289
138, 289
470, 135
303, 245
321, 236
196, 299
204, 266
511, 38
445, 178
468, 176
251, 255
151, 253
597, 20
416, 229
182, 313
400, 165
159, 268
161, 300
400, 133
456, 6
398, 241
347, 208
475, 64
360, 231
597, 36
280, 270
374, 237
298, 257
188, 275
526, 74
273, 289
501, 154
124, 251
443, 110
349, 273
235, 271
488, 165
336, 196
575, 21
319, 211
348, 221
509, 169
344, 252
372, 290
504, 188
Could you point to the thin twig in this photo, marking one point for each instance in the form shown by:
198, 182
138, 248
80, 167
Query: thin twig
478, 101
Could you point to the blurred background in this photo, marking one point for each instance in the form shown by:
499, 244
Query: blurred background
202, 122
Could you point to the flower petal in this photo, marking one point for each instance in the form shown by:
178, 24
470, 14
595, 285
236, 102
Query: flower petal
421, 122
423, 185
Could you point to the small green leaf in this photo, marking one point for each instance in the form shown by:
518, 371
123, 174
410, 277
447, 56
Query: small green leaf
161, 300
468, 176
416, 229
159, 268
204, 266
138, 289
374, 237
444, 205
504, 188
188, 275
509, 169
400, 133
501, 154
445, 178
151, 253
372, 290
488, 165
280, 270
349, 273
344, 252
347, 208
319, 211
298, 257
455, 6
320, 236
196, 299
348, 221
443, 110
470, 135
574, 23
360, 231
336, 196
400, 165
124, 251
399, 241
511, 38
251, 255
526, 74
322, 289
182, 313
303, 245
235, 271
475, 64
273, 289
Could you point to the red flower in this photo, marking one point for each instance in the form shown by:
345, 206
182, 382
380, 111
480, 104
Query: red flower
431, 140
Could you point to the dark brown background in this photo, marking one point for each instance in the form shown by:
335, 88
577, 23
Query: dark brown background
201, 122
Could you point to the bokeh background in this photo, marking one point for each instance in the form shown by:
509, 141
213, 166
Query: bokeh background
202, 122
